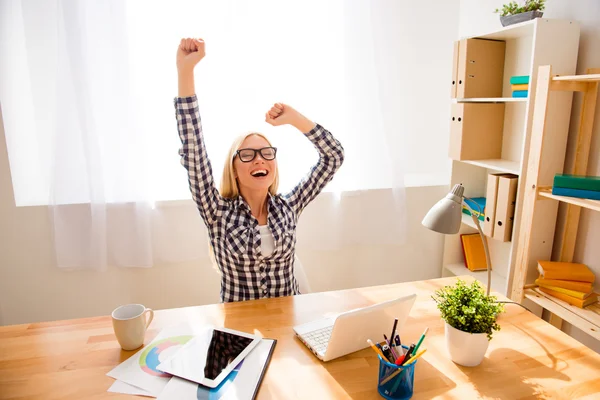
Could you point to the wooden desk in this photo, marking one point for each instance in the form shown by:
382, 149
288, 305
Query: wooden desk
528, 358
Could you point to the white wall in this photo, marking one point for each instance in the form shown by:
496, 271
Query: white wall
33, 289
476, 16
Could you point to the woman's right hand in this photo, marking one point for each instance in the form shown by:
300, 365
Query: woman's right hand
189, 53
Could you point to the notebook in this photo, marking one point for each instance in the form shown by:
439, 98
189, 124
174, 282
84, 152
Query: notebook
473, 252
571, 300
568, 292
585, 287
565, 271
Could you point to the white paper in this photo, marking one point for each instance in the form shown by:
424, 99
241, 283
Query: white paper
140, 369
126, 388
240, 384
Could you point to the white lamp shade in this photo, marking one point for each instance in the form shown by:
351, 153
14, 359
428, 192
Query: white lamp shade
445, 216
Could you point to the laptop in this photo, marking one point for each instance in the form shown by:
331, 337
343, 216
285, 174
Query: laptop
330, 338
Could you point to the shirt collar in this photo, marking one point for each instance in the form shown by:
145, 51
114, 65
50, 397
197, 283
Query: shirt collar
241, 202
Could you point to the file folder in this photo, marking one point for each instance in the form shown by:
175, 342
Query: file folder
490, 204
505, 207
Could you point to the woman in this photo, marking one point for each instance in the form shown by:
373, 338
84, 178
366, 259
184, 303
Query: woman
252, 229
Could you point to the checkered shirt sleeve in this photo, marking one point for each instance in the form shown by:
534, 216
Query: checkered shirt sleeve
331, 157
195, 160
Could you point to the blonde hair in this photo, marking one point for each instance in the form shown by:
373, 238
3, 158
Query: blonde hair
229, 184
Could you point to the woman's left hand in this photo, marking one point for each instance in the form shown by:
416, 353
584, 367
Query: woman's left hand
281, 114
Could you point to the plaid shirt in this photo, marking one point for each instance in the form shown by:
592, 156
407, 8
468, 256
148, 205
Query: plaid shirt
234, 234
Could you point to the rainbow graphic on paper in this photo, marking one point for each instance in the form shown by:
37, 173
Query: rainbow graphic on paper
150, 358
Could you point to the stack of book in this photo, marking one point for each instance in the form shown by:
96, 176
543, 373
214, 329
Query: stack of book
478, 206
569, 282
583, 187
519, 86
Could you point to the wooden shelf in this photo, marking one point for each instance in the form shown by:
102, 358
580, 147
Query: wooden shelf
578, 78
586, 203
586, 319
492, 100
498, 282
508, 166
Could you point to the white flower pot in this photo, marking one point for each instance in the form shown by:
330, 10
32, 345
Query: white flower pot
466, 349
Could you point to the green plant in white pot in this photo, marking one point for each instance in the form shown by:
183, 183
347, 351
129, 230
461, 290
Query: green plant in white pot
470, 320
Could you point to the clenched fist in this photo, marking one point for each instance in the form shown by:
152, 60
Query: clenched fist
281, 114
189, 53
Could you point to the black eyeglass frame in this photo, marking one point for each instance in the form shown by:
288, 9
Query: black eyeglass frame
256, 151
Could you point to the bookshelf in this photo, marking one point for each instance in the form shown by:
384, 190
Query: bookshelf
491, 100
548, 148
497, 165
528, 45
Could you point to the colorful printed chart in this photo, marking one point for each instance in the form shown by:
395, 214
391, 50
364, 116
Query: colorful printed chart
151, 356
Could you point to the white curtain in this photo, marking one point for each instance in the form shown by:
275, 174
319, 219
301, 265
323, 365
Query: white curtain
87, 101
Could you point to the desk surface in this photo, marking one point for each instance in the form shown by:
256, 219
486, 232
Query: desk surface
528, 358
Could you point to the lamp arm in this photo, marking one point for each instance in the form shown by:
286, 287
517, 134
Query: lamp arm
485, 244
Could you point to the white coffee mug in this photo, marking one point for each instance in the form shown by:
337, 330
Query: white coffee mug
130, 324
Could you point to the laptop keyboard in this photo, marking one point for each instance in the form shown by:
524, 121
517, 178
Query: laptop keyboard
318, 339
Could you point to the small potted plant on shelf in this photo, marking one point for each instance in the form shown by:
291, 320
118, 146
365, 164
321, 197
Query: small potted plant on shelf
512, 12
470, 320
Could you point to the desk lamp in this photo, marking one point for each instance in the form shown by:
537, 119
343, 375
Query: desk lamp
445, 217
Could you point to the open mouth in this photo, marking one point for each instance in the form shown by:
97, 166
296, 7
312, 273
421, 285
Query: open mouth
259, 173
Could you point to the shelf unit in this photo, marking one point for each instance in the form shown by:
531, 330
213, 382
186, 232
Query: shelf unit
548, 148
528, 45
492, 100
497, 165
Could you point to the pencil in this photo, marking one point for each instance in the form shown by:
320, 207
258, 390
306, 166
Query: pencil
413, 358
377, 350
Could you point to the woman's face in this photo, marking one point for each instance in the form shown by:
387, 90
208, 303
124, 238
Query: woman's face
259, 173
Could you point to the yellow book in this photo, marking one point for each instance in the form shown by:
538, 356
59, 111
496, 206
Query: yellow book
585, 287
572, 300
520, 87
572, 293
473, 252
565, 271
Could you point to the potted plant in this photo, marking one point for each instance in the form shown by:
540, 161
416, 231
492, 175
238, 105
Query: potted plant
512, 13
470, 320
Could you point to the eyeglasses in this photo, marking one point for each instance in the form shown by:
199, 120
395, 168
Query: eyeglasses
247, 155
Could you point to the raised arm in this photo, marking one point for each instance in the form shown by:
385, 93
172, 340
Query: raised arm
193, 151
331, 154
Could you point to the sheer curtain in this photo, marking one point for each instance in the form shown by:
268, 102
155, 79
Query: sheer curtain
87, 97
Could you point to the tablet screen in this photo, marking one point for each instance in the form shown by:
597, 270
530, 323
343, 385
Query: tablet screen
210, 355
224, 347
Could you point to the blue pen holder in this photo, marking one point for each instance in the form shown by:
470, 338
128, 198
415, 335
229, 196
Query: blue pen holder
396, 382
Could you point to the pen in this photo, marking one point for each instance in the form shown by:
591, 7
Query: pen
421, 340
394, 328
413, 358
394, 353
376, 350
397, 341
408, 353
387, 352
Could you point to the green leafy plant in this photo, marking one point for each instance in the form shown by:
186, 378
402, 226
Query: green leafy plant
468, 308
512, 7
